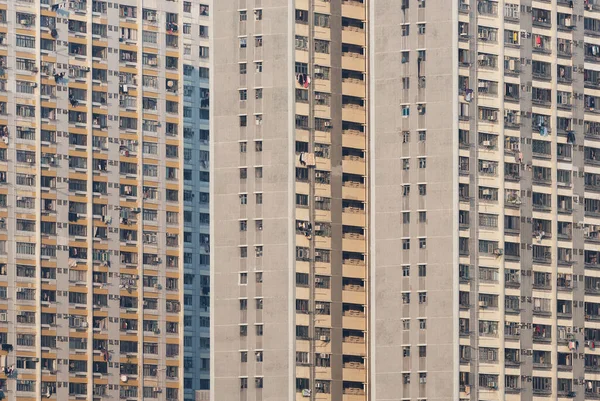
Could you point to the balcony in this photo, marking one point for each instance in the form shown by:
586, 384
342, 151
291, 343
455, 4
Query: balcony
354, 373
354, 35
354, 165
353, 9
353, 139
354, 319
353, 345
353, 216
353, 61
353, 87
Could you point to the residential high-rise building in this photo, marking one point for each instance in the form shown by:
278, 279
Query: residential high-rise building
289, 192
407, 197
104, 199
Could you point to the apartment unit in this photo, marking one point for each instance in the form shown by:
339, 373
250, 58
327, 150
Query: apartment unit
104, 199
408, 200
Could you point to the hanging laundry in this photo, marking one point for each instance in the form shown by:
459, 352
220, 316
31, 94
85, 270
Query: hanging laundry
302, 159
306, 81
538, 41
543, 131
301, 79
571, 137
468, 95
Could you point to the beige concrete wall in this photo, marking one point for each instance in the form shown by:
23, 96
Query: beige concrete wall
387, 202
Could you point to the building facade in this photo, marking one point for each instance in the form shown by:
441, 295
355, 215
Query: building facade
383, 234
104, 199
289, 189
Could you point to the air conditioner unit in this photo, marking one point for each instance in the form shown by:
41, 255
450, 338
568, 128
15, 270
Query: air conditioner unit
152, 17
157, 389
156, 331
84, 325
157, 286
323, 356
486, 143
482, 304
326, 338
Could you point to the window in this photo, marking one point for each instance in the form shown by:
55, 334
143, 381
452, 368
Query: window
406, 164
422, 217
405, 110
406, 244
405, 271
243, 199
405, 29
422, 136
258, 65
422, 270
25, 41
421, 29
422, 189
243, 278
422, 162
405, 217
422, 324
422, 243
243, 68
322, 46
405, 190
405, 137
422, 297
406, 298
